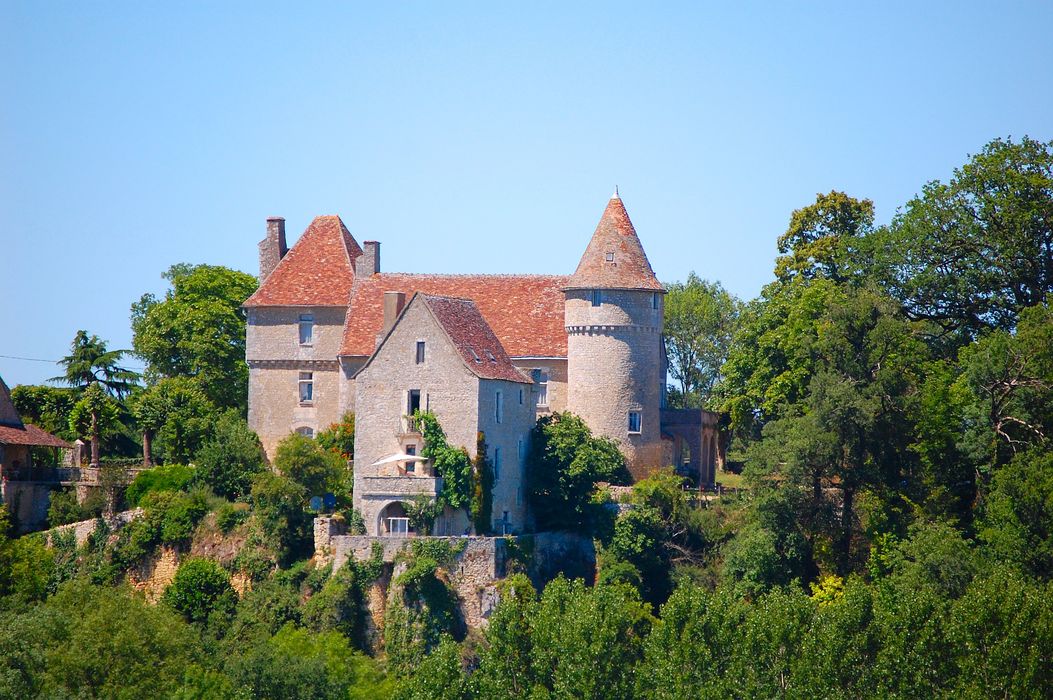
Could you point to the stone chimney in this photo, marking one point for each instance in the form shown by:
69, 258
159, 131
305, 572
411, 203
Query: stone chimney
368, 263
393, 303
273, 247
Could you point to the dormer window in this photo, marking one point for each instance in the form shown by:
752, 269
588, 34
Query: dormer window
490, 356
306, 329
475, 355
610, 257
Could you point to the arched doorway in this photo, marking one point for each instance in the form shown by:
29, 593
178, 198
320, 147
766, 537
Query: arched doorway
393, 521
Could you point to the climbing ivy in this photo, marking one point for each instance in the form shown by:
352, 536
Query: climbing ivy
451, 463
482, 505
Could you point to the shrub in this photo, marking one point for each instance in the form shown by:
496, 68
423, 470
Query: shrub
227, 462
171, 477
340, 437
278, 508
199, 589
230, 515
307, 463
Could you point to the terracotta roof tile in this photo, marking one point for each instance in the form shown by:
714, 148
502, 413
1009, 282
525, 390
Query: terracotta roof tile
614, 258
29, 435
318, 271
524, 311
480, 349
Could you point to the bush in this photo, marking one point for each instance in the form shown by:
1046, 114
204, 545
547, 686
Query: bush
307, 463
171, 477
278, 508
199, 589
340, 437
230, 515
227, 462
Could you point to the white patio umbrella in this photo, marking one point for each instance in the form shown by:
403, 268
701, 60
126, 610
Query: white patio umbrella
399, 457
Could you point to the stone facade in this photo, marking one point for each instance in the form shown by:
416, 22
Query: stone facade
276, 359
590, 343
617, 359
393, 383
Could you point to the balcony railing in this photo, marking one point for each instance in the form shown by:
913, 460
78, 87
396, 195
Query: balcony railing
409, 425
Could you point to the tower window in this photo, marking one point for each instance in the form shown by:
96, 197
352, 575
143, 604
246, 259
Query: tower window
520, 397
654, 301
610, 257
420, 352
635, 418
306, 387
306, 329
597, 297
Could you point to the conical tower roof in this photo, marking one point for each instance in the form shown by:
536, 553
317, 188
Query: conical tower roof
615, 258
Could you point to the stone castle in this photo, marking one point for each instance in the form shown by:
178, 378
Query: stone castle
330, 333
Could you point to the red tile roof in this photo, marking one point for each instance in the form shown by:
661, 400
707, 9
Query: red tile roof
524, 311
480, 349
614, 258
317, 271
29, 435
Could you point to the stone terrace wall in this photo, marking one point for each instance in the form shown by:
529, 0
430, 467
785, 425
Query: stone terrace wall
82, 530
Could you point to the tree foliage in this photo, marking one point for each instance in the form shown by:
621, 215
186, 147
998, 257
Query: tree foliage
230, 457
198, 331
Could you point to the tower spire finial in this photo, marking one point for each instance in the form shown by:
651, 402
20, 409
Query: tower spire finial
615, 195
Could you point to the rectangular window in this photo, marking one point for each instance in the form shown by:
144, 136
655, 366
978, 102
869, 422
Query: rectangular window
654, 301
597, 297
497, 407
306, 387
542, 388
398, 526
521, 451
306, 329
519, 496
520, 397
412, 401
420, 352
411, 466
635, 418
497, 464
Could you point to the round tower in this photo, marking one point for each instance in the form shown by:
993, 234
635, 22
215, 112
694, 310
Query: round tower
615, 354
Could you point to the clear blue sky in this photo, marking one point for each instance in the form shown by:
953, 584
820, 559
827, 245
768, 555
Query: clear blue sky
468, 138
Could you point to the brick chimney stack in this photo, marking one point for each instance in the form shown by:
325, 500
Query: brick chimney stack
393, 305
368, 263
272, 248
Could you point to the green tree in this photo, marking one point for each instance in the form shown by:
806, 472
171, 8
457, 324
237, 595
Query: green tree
437, 677
201, 589
90, 362
197, 330
504, 659
278, 510
564, 464
172, 477
1017, 522
970, 254
303, 460
95, 414
822, 240
700, 319
46, 407
230, 457
588, 643
339, 437
175, 416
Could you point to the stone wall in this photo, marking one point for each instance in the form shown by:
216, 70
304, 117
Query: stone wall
476, 569
446, 388
557, 384
276, 358
83, 530
512, 437
616, 364
28, 503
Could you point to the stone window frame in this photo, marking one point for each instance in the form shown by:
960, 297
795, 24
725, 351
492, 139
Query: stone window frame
639, 421
654, 301
306, 380
306, 322
421, 351
306, 431
542, 379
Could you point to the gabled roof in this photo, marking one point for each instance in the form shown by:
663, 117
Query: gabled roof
30, 435
480, 349
525, 312
614, 258
318, 271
